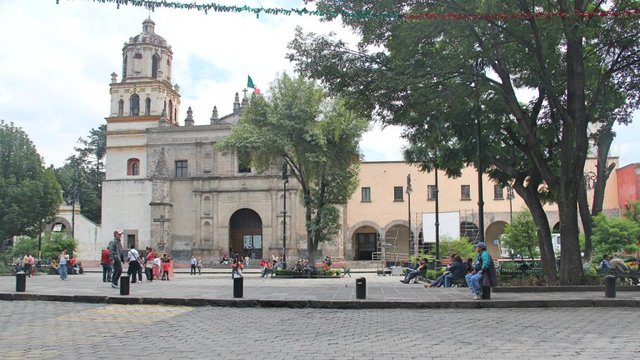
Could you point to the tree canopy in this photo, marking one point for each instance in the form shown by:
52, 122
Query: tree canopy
317, 138
542, 91
83, 172
29, 193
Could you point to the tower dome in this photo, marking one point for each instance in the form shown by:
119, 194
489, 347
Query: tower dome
146, 56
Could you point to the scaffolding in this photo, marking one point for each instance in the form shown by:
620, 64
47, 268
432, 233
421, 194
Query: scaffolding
387, 257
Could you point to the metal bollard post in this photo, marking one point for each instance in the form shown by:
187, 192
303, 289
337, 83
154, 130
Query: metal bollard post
21, 281
361, 288
610, 286
124, 285
237, 287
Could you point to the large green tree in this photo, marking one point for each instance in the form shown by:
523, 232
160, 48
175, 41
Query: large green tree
537, 85
83, 172
316, 136
29, 193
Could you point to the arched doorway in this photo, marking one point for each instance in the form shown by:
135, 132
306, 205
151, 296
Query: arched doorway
494, 232
245, 233
365, 243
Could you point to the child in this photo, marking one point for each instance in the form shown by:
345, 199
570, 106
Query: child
166, 263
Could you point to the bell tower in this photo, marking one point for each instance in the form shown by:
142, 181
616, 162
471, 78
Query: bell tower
145, 89
142, 99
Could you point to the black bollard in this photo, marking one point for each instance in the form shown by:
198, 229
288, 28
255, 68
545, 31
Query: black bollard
486, 293
610, 286
237, 287
21, 281
124, 285
361, 288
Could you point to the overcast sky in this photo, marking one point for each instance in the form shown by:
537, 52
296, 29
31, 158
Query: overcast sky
56, 61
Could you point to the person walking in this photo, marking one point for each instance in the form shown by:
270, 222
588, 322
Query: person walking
63, 260
115, 257
134, 265
199, 266
106, 265
194, 264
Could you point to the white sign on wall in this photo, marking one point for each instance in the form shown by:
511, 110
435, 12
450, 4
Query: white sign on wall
449, 226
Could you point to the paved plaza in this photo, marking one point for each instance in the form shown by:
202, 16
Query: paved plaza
217, 289
54, 330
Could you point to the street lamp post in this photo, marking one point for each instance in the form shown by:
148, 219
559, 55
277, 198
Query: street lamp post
74, 196
285, 177
480, 195
590, 179
437, 218
510, 195
409, 191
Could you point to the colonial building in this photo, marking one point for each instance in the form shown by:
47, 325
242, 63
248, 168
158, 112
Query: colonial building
168, 188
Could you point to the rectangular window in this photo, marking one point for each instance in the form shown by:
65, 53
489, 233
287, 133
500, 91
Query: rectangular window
498, 192
465, 192
432, 192
366, 194
181, 168
397, 193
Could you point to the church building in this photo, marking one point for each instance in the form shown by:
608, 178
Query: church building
166, 186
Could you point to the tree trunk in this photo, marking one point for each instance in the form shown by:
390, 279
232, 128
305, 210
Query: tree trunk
570, 260
547, 253
585, 217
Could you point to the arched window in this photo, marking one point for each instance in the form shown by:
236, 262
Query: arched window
120, 108
134, 108
147, 107
133, 167
170, 112
155, 61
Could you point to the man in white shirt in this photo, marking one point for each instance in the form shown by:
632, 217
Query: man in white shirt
194, 262
134, 265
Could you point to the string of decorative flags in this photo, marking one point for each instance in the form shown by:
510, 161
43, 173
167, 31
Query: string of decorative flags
257, 11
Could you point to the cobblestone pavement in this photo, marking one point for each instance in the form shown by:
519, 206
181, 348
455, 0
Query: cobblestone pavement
52, 330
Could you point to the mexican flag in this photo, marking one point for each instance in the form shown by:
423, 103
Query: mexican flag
252, 86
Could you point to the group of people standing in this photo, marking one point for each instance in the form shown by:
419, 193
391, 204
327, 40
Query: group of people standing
113, 257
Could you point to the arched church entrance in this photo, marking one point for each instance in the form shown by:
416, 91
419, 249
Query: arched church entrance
245, 233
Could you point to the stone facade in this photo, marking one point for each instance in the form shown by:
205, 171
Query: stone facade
166, 187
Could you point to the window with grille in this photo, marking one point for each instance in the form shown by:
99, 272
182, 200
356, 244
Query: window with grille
432, 192
366, 194
465, 192
181, 168
397, 193
498, 192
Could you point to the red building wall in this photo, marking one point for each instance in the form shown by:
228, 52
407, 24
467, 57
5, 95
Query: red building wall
628, 184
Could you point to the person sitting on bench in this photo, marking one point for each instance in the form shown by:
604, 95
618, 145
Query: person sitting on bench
456, 270
422, 266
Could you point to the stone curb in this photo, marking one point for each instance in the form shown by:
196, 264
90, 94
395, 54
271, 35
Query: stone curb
317, 304
542, 289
